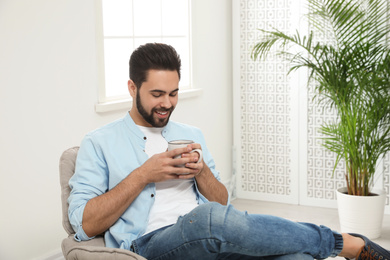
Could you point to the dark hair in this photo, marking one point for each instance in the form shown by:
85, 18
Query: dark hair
150, 56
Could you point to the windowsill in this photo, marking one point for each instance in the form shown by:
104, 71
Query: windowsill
127, 103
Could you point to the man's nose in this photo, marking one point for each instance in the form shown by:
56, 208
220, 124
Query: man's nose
166, 102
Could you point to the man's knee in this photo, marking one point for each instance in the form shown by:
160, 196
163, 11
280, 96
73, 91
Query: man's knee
226, 223
204, 218
215, 220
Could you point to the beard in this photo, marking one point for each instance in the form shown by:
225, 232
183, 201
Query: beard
150, 117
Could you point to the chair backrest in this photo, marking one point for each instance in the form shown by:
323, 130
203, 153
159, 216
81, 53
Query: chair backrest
67, 168
91, 249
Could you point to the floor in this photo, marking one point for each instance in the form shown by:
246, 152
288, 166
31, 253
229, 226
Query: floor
316, 215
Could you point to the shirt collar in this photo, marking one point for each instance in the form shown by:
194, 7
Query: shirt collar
135, 129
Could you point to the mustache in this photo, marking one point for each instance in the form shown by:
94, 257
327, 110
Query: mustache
164, 109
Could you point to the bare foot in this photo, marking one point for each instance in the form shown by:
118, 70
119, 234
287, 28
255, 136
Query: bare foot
352, 246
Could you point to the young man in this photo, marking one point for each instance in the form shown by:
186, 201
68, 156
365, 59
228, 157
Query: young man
126, 186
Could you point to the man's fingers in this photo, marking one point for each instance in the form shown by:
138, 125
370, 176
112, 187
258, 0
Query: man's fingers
179, 151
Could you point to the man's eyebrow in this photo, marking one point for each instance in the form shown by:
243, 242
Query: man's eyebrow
158, 91
162, 91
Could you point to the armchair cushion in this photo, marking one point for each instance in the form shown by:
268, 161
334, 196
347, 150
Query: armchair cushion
94, 250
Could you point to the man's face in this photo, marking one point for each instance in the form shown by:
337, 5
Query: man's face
156, 99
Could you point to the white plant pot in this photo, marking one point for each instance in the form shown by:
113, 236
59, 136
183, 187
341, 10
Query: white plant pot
361, 214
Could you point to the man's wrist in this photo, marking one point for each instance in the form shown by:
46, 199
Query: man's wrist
203, 171
139, 176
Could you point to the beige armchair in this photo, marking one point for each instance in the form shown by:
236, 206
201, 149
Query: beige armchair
93, 249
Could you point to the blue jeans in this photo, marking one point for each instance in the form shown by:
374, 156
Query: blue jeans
213, 231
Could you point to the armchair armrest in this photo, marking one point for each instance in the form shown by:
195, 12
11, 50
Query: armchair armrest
94, 249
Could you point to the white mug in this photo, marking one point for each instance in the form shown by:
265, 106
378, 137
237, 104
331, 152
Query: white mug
181, 144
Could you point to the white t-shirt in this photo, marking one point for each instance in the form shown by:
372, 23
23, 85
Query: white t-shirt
173, 198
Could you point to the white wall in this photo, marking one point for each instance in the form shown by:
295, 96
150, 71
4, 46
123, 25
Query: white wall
48, 91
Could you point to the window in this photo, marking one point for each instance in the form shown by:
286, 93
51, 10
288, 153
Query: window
127, 24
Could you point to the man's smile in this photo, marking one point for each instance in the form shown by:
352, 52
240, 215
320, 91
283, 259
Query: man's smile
162, 114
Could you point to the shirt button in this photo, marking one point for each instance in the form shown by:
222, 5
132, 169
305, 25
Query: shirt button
144, 137
152, 195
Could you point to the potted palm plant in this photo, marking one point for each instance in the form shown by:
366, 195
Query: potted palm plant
350, 74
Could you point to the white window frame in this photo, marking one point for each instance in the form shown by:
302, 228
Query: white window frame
106, 104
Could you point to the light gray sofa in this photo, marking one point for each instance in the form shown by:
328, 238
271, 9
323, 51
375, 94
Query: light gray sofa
93, 249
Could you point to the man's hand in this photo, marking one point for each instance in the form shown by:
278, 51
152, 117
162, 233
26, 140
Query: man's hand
193, 164
208, 185
162, 167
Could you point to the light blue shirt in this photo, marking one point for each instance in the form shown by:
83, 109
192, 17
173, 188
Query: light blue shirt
109, 154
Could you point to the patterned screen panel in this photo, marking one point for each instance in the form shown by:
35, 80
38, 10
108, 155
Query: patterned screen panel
321, 180
265, 103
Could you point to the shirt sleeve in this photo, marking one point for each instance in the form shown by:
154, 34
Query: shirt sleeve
89, 180
207, 157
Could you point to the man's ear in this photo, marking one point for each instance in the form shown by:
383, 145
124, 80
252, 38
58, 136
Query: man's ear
132, 88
